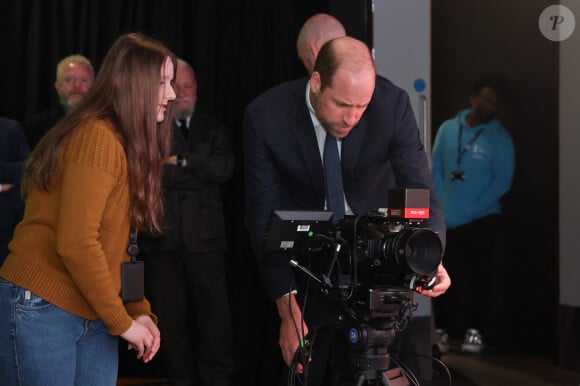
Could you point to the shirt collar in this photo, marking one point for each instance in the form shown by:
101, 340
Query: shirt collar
315, 120
187, 121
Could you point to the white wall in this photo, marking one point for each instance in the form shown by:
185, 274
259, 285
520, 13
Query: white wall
402, 49
569, 189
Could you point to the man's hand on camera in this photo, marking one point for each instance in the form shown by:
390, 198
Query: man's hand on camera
442, 282
292, 328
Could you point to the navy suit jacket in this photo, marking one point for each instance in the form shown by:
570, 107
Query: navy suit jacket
37, 126
283, 167
13, 152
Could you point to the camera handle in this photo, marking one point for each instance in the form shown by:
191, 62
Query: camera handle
323, 284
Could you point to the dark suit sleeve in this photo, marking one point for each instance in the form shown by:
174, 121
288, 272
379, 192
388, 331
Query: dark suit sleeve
410, 162
261, 195
209, 158
14, 152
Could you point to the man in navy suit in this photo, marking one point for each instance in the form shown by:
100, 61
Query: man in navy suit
13, 152
284, 132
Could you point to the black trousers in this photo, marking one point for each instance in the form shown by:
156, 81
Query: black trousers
473, 259
189, 295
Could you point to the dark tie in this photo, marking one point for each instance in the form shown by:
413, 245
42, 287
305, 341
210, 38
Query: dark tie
333, 178
183, 127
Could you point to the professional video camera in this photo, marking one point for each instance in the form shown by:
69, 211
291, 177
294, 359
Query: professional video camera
384, 247
370, 265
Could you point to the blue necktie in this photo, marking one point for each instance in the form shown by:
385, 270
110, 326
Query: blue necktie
333, 178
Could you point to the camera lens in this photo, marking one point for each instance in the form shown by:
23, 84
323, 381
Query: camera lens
417, 249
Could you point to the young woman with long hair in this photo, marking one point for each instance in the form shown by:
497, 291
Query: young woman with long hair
93, 177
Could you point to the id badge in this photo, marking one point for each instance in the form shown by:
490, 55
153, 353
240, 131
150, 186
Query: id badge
133, 281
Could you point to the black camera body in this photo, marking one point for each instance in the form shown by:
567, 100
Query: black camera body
391, 252
384, 247
393, 258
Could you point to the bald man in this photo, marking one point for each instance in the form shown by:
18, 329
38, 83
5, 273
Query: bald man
416, 338
285, 129
316, 31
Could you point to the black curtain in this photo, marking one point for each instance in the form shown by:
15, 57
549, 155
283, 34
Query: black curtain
238, 48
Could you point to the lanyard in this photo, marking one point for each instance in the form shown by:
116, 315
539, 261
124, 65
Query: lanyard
133, 248
460, 151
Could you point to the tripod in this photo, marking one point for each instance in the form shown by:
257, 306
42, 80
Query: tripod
368, 316
372, 367
368, 359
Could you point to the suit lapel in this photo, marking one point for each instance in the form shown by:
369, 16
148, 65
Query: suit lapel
308, 146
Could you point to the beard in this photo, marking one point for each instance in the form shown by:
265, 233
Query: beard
183, 107
72, 101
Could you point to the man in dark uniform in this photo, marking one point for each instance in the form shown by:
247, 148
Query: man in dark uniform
186, 270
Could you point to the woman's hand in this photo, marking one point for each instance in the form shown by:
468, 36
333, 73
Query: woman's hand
144, 337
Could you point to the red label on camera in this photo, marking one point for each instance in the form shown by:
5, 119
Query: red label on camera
408, 212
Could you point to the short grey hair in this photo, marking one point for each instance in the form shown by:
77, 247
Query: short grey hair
76, 58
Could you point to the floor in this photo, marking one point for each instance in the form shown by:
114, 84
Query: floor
494, 367
489, 368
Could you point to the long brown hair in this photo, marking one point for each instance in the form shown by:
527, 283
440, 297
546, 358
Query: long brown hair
125, 91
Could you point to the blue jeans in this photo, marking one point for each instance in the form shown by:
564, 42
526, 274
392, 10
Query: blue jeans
40, 344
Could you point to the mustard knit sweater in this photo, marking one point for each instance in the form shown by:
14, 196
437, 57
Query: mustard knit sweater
69, 247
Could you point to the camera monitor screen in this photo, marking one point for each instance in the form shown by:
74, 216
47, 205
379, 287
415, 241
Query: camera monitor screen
295, 230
